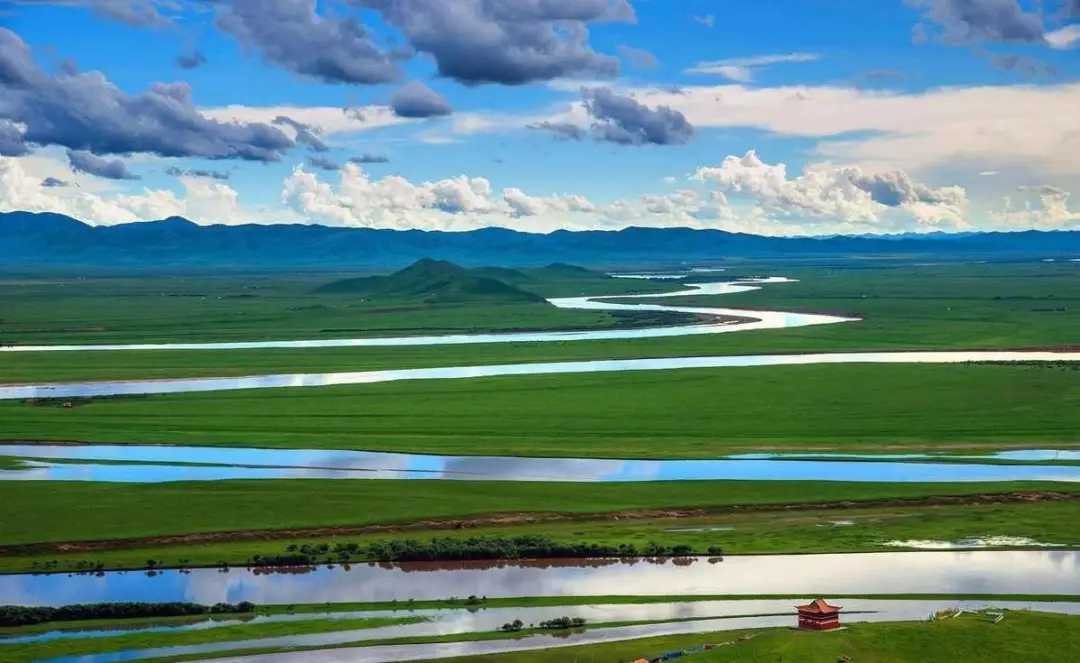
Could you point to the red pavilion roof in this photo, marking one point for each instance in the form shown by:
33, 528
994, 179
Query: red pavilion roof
818, 606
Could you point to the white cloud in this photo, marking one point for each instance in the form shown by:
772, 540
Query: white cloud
329, 120
203, 201
1052, 212
1009, 127
742, 69
1065, 37
828, 194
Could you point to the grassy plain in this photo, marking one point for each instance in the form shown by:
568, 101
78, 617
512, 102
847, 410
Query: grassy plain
851, 529
75, 646
645, 414
1032, 637
194, 308
904, 308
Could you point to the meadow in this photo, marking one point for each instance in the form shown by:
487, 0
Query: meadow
903, 308
645, 414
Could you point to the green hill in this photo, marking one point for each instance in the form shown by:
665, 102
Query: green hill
504, 274
431, 282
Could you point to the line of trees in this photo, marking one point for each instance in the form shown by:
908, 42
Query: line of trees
557, 624
471, 548
17, 615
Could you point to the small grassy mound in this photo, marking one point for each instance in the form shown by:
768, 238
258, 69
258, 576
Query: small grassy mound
431, 282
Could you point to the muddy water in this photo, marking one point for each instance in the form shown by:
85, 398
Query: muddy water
951, 572
705, 616
165, 463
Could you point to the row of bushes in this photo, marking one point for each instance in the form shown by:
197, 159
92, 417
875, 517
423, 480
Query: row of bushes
472, 548
557, 624
17, 615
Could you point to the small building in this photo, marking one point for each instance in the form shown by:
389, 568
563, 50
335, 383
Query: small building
819, 615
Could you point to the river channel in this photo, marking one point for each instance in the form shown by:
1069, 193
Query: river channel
937, 572
157, 463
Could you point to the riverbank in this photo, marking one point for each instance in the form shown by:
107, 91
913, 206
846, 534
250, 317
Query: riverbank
734, 517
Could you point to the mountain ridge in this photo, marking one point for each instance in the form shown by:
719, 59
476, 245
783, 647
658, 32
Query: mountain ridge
28, 238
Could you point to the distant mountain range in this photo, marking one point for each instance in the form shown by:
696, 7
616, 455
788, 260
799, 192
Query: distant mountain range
31, 240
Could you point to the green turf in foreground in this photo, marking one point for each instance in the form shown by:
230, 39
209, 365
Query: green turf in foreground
81, 646
648, 414
1031, 637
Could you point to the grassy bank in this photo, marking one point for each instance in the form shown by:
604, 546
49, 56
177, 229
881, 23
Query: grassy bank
1022, 636
241, 631
234, 521
685, 413
811, 531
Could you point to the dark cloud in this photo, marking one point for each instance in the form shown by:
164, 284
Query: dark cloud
973, 21
1022, 64
198, 172
305, 135
416, 100
623, 120
87, 162
87, 112
370, 158
53, 182
562, 129
896, 188
290, 34
192, 60
323, 163
640, 58
511, 43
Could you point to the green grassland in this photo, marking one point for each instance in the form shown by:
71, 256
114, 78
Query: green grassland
1032, 637
87, 510
904, 308
647, 414
37, 651
851, 529
417, 301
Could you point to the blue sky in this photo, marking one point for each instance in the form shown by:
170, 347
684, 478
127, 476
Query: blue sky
779, 117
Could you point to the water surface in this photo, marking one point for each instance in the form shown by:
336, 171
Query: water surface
157, 463
946, 572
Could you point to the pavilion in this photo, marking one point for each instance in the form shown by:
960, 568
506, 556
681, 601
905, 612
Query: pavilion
819, 615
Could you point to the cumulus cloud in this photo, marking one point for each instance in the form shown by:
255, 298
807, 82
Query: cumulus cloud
624, 120
198, 172
510, 43
1065, 37
203, 200
11, 140
974, 21
190, 60
742, 69
415, 100
369, 158
827, 193
87, 162
292, 35
323, 163
1052, 212
87, 112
